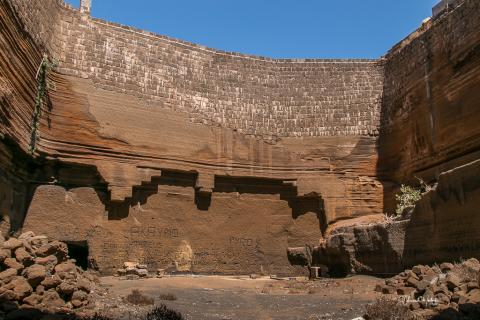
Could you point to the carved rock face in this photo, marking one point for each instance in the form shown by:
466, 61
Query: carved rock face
219, 162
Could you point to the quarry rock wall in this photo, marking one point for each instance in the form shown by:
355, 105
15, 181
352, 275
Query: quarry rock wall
146, 132
430, 102
28, 30
429, 129
148, 143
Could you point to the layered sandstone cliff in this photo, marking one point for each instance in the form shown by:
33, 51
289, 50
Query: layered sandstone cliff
153, 148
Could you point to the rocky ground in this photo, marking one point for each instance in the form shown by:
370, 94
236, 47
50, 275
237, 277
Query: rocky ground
242, 298
445, 291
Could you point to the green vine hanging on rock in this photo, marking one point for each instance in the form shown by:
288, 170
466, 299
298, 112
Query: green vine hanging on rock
43, 86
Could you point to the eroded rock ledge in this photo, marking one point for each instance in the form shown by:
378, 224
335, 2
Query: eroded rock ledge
442, 227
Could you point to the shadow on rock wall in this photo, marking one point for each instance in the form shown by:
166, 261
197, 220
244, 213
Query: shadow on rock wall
445, 225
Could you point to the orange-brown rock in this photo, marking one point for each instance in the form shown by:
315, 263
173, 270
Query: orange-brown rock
175, 155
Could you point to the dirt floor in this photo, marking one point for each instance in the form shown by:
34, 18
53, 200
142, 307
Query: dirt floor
242, 298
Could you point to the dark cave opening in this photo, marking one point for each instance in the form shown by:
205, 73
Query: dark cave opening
78, 250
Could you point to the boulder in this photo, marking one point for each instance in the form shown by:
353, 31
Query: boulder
66, 288
132, 277
474, 296
7, 295
428, 299
344, 247
79, 298
21, 287
442, 298
78, 303
40, 290
130, 265
7, 275
446, 266
472, 264
436, 269
26, 235
66, 275
51, 282
442, 288
13, 263
452, 281
35, 274
38, 241
33, 299
472, 285
49, 262
65, 267
412, 282
84, 285
28, 247
418, 270
406, 291
141, 272
52, 299
378, 287
56, 248
24, 257
414, 305
388, 290
459, 298
4, 254
12, 244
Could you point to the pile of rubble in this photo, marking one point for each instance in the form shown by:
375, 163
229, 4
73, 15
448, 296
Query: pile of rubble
136, 270
132, 271
38, 273
431, 290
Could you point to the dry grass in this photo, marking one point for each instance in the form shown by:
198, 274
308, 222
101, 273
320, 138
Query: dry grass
388, 309
138, 298
167, 297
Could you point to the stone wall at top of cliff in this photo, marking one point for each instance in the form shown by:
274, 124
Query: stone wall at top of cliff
41, 21
253, 95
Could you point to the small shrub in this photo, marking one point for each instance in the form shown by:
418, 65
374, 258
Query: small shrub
163, 313
98, 317
167, 297
407, 198
138, 298
388, 309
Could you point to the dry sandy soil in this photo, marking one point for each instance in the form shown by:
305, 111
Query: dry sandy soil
242, 298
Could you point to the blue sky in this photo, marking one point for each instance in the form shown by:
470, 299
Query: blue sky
276, 28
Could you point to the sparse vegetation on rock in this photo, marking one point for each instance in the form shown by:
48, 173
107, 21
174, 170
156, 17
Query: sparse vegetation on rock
44, 85
407, 197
